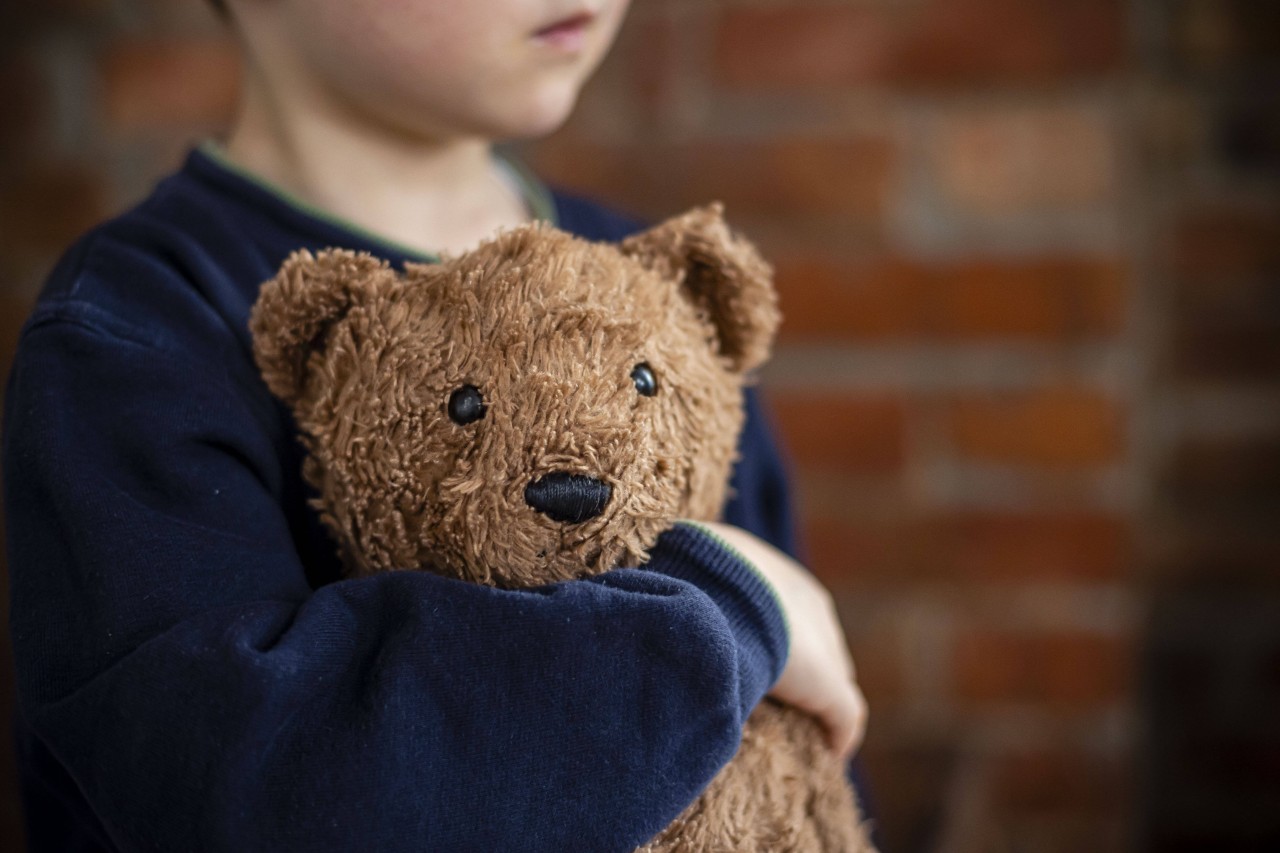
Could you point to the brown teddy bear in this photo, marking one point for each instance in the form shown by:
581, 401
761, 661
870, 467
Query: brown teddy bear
579, 397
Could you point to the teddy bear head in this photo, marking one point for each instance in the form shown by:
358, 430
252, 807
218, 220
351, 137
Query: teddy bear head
534, 410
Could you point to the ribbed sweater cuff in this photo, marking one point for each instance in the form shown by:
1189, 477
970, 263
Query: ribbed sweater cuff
749, 603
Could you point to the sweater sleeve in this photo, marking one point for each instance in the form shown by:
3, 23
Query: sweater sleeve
174, 660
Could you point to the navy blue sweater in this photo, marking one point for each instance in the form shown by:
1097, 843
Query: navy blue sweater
192, 671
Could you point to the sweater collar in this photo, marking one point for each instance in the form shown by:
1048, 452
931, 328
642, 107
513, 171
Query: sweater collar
210, 162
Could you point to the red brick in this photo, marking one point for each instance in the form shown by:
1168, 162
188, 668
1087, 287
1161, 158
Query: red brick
1171, 139
1047, 782
1061, 670
1060, 427
27, 17
838, 176
1226, 262
1006, 547
788, 175
170, 83
1224, 36
46, 207
879, 659
841, 433
939, 43
1053, 298
627, 176
1234, 242
1070, 832
798, 46
824, 299
1210, 560
24, 103
860, 553
1237, 479
780, 177
1001, 161
1048, 299
857, 554
880, 675
958, 43
911, 782
653, 80
1243, 348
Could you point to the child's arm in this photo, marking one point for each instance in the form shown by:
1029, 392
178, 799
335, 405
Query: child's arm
762, 504
172, 657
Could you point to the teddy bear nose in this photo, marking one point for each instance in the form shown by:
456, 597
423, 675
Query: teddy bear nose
568, 497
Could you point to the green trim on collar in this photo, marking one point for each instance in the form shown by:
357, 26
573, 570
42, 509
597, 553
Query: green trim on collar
536, 195
214, 151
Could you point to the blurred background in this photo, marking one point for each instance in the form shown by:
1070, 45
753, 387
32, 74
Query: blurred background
1029, 258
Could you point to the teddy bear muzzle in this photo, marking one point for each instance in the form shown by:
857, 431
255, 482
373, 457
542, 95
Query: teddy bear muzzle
570, 498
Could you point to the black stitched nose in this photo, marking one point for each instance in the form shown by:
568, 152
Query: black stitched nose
568, 497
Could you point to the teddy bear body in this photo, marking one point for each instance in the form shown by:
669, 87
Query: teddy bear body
538, 410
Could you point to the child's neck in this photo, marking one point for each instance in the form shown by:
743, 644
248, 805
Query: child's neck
432, 196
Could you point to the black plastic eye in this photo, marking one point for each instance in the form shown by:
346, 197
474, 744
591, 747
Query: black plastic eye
646, 382
466, 405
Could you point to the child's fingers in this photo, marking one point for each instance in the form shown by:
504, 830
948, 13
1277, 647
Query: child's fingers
859, 732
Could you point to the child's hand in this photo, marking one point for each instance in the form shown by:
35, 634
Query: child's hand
819, 676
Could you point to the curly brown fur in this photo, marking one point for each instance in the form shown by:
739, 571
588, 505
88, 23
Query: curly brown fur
783, 792
548, 329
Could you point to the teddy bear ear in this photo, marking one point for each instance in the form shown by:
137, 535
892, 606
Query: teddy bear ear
295, 310
722, 273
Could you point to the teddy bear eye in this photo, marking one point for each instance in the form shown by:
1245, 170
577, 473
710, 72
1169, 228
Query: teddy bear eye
466, 405
646, 382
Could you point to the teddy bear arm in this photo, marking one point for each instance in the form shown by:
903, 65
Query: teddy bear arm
784, 791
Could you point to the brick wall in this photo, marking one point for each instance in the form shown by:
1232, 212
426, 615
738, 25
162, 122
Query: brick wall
1027, 257
1211, 652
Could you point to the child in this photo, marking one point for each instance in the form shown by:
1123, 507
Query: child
192, 672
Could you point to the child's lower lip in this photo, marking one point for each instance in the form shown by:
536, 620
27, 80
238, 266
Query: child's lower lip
569, 35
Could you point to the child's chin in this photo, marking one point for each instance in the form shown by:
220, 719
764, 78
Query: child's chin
540, 115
